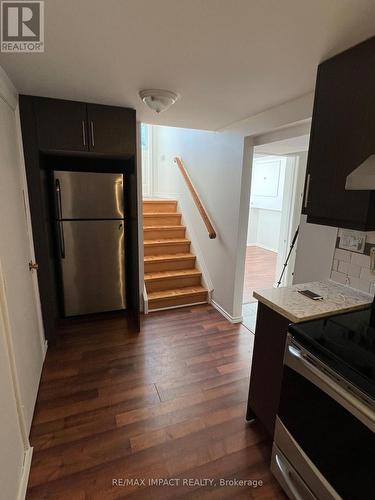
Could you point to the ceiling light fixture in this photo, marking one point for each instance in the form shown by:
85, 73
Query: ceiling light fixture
158, 100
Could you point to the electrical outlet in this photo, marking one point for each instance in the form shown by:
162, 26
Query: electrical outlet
353, 241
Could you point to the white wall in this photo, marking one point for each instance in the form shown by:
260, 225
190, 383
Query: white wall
11, 439
266, 200
264, 228
19, 306
314, 255
214, 162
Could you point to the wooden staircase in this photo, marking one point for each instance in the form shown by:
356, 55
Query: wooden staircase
171, 277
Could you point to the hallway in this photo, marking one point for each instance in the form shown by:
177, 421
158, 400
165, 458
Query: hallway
167, 403
260, 269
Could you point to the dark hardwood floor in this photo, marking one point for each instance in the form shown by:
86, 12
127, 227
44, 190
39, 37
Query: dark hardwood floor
169, 402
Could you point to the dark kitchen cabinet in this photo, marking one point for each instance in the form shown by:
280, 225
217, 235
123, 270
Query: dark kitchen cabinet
111, 129
267, 367
70, 126
61, 125
342, 137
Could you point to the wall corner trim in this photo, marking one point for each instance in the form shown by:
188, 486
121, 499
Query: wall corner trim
232, 319
8, 91
45, 349
25, 473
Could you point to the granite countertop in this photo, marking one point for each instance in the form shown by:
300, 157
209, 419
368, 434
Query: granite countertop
297, 308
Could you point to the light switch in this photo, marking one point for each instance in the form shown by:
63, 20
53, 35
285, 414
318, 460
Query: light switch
351, 240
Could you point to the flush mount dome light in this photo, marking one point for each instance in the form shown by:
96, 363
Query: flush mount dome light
158, 100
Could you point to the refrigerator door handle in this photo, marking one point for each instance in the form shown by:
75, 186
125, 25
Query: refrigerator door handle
58, 199
61, 239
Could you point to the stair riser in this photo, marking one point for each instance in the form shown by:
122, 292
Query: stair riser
173, 282
161, 249
162, 220
174, 265
158, 234
169, 206
177, 301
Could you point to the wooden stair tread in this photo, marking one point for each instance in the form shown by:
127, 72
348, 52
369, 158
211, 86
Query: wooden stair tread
171, 274
161, 214
169, 257
162, 228
157, 200
166, 241
185, 291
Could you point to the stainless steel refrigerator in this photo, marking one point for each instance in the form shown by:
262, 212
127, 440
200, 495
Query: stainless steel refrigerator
90, 233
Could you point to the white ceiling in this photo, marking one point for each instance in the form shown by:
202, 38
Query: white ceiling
229, 59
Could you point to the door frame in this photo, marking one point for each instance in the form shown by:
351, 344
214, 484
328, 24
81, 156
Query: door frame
25, 193
148, 174
9, 95
250, 142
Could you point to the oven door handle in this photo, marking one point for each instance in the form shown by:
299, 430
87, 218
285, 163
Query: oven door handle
357, 407
288, 477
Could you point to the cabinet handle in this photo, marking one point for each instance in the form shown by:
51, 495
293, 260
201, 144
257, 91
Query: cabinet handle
307, 190
92, 134
83, 133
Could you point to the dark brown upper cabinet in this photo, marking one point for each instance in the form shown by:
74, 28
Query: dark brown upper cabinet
61, 125
111, 129
342, 137
69, 126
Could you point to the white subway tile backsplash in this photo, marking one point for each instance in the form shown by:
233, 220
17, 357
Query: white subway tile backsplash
354, 270
343, 255
361, 260
339, 277
343, 267
367, 275
359, 284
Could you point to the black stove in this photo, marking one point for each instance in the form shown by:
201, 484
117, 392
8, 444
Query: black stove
346, 343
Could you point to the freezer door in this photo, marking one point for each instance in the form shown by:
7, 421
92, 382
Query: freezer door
88, 195
93, 266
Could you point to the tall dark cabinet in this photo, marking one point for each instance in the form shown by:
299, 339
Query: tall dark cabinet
77, 136
342, 137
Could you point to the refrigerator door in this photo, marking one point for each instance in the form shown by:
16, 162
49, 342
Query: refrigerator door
93, 266
88, 195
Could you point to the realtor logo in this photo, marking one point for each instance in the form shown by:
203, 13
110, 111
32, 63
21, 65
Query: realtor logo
22, 26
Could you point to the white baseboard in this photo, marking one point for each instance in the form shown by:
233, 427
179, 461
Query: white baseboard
25, 474
232, 319
177, 307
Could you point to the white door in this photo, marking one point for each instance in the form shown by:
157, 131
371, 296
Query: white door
15, 255
11, 440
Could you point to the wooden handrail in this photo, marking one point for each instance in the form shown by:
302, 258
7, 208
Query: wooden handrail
197, 201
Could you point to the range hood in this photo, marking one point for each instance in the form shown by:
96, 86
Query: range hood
363, 177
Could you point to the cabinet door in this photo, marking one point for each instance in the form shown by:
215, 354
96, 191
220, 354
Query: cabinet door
112, 130
267, 366
61, 125
342, 137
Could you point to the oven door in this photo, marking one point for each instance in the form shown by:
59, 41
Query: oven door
327, 425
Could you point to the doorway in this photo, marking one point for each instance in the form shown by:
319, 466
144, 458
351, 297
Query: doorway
274, 211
